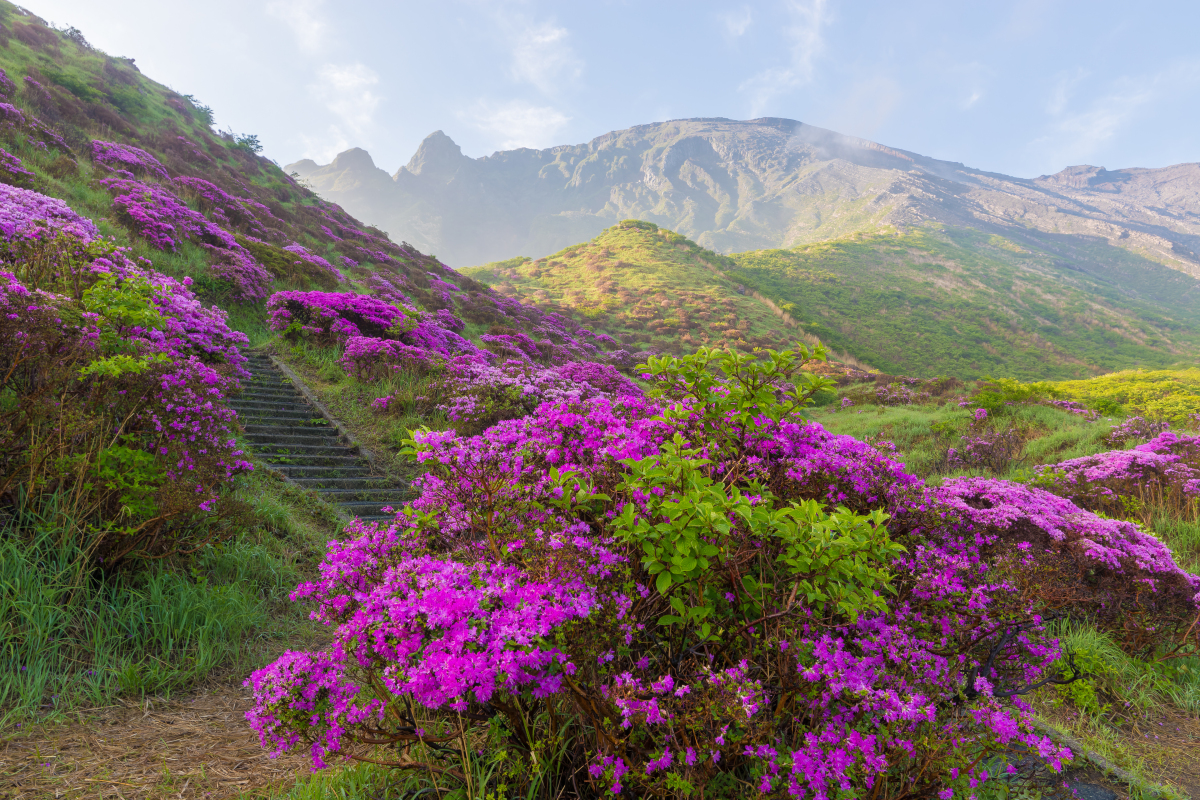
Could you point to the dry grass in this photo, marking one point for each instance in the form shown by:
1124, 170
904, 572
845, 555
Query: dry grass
198, 746
1160, 744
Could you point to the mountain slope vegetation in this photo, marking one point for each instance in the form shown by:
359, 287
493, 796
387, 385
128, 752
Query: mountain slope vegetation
646, 286
933, 301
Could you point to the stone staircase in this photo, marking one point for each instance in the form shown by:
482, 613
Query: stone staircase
289, 435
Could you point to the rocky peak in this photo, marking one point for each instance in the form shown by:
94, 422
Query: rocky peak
438, 157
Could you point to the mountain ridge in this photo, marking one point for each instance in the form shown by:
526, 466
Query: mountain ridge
742, 185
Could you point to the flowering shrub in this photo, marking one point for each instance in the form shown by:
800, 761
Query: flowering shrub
162, 218
1072, 407
25, 214
701, 581
130, 366
1135, 428
314, 259
476, 395
130, 159
11, 166
7, 87
898, 394
237, 267
985, 446
1117, 482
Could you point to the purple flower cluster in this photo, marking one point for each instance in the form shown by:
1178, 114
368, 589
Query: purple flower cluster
962, 621
312, 258
12, 165
1165, 468
7, 87
226, 208
128, 159
30, 215
1135, 428
163, 380
1072, 407
898, 394
161, 218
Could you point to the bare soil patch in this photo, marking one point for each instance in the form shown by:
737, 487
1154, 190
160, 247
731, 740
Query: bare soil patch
195, 746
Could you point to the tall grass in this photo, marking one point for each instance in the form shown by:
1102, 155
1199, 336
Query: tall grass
72, 636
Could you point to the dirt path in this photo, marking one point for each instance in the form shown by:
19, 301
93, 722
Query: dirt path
197, 746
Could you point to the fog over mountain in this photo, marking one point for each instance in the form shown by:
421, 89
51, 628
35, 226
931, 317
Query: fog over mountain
735, 186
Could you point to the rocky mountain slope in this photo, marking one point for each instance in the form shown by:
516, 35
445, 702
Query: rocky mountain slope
735, 186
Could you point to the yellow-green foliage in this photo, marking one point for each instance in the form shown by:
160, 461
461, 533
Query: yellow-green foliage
1161, 394
647, 285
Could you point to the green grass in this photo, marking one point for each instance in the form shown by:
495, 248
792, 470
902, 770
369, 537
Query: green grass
933, 302
647, 286
922, 433
75, 637
1172, 395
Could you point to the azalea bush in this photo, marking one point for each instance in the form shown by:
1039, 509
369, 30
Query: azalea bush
114, 385
697, 587
1164, 471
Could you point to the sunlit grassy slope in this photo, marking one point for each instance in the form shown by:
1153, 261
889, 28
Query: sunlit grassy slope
959, 302
647, 286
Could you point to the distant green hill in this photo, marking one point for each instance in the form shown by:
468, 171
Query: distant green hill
933, 301
956, 301
647, 286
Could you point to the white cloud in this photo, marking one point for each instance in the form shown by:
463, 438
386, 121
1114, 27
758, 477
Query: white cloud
975, 96
1064, 85
517, 123
346, 90
737, 22
305, 19
542, 56
805, 33
1078, 136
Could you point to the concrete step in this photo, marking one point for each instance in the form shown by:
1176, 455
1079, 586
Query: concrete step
291, 429
322, 471
343, 459
272, 449
384, 494
368, 483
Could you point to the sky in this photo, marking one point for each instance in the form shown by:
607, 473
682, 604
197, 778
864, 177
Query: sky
1021, 87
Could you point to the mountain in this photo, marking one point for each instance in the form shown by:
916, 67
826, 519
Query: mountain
734, 186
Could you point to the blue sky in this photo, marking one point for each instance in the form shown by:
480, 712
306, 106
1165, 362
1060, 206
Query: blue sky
1023, 87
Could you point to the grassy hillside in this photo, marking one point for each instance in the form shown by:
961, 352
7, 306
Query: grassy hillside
63, 99
959, 302
645, 285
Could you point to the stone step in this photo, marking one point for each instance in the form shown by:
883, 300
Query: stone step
291, 429
285, 416
369, 483
384, 494
372, 508
258, 440
269, 393
289, 402
272, 449
343, 459
322, 471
